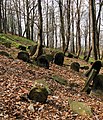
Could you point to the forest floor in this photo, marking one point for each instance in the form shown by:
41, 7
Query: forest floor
17, 77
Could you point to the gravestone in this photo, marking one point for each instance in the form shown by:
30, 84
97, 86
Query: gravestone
59, 58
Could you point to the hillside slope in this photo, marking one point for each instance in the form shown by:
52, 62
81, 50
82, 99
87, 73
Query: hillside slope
17, 77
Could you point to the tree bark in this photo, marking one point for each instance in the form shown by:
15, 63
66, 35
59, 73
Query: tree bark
94, 28
62, 25
39, 47
68, 24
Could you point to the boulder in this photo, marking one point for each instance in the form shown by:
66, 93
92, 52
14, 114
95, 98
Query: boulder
59, 58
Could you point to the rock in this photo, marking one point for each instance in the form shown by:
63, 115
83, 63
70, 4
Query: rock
80, 108
59, 80
59, 58
21, 47
75, 66
43, 62
6, 54
38, 94
7, 44
32, 49
23, 56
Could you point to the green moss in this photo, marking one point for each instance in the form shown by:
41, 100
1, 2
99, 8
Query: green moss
15, 40
80, 108
43, 82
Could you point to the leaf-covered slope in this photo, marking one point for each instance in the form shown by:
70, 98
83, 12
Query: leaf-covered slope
18, 77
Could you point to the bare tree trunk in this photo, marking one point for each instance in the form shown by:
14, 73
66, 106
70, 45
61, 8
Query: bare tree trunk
85, 35
78, 29
32, 22
89, 53
39, 47
98, 23
62, 25
94, 29
68, 24
89, 26
56, 36
47, 25
27, 23
0, 16
72, 41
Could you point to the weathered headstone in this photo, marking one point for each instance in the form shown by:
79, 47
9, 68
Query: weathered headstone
59, 58
23, 56
96, 65
43, 62
98, 82
75, 66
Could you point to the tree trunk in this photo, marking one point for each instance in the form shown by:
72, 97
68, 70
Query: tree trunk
39, 47
27, 23
94, 28
68, 24
87, 58
0, 16
62, 25
78, 29
72, 40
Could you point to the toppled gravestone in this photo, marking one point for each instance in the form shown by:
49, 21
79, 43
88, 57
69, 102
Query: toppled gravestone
75, 66
43, 62
59, 58
93, 75
38, 93
24, 56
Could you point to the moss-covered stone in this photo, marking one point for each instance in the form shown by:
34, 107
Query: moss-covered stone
59, 80
80, 108
38, 94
